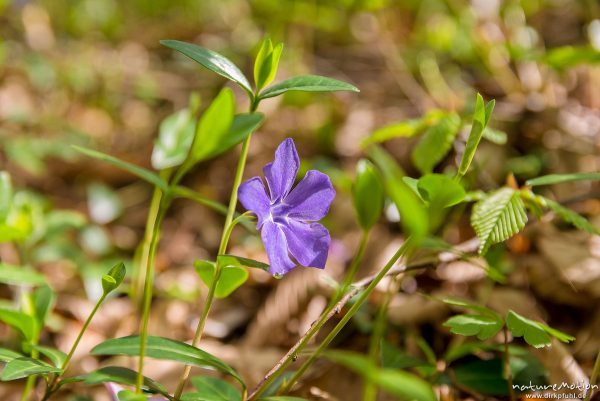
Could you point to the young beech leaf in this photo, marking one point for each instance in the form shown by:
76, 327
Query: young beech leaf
232, 260
436, 143
120, 375
6, 194
560, 178
403, 385
368, 194
211, 60
535, 333
571, 217
165, 348
497, 217
232, 277
481, 118
213, 389
114, 278
483, 327
307, 83
19, 368
20, 275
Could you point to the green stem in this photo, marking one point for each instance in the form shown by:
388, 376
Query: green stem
406, 246
54, 384
593, 378
148, 285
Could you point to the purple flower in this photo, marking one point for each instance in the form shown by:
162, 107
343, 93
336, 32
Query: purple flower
287, 216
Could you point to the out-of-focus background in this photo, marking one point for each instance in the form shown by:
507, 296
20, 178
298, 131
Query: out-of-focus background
92, 73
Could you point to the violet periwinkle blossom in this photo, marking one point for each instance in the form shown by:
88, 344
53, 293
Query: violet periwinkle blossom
287, 217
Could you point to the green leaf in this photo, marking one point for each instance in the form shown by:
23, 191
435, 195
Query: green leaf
6, 194
212, 389
138, 171
481, 118
243, 125
18, 275
480, 309
175, 136
211, 60
266, 63
56, 356
19, 368
571, 217
569, 56
560, 178
307, 83
401, 384
7, 355
127, 395
368, 194
535, 333
497, 217
484, 327
114, 278
43, 301
164, 348
436, 143
495, 136
412, 213
233, 260
440, 191
20, 321
232, 277
282, 398
120, 375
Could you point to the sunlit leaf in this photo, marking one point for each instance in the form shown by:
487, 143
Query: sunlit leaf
569, 56
481, 118
560, 178
20, 321
307, 83
120, 375
19, 275
19, 368
233, 260
534, 333
231, 278
212, 389
571, 217
484, 327
266, 63
435, 143
440, 191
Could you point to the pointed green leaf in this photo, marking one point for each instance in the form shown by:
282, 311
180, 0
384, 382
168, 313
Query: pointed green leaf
436, 143
211, 60
560, 178
18, 275
114, 277
120, 375
267, 61
535, 333
440, 191
307, 83
368, 194
403, 385
212, 389
481, 118
484, 327
138, 171
56, 356
233, 260
164, 348
43, 302
232, 277
7, 355
497, 217
6, 194
19, 368
20, 321
571, 217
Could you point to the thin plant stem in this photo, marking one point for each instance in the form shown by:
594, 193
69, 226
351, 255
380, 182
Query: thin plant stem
148, 285
406, 246
593, 378
53, 385
507, 369
370, 390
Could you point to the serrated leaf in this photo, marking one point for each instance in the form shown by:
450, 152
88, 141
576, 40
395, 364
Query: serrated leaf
56, 356
212, 389
19, 368
435, 143
368, 194
120, 375
534, 333
571, 217
232, 277
7, 355
497, 217
560, 178
481, 118
403, 385
18, 275
233, 260
484, 327
138, 171
165, 348
211, 60
307, 83
20, 321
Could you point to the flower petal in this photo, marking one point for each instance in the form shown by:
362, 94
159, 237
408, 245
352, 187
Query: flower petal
281, 173
253, 197
307, 242
311, 198
277, 248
